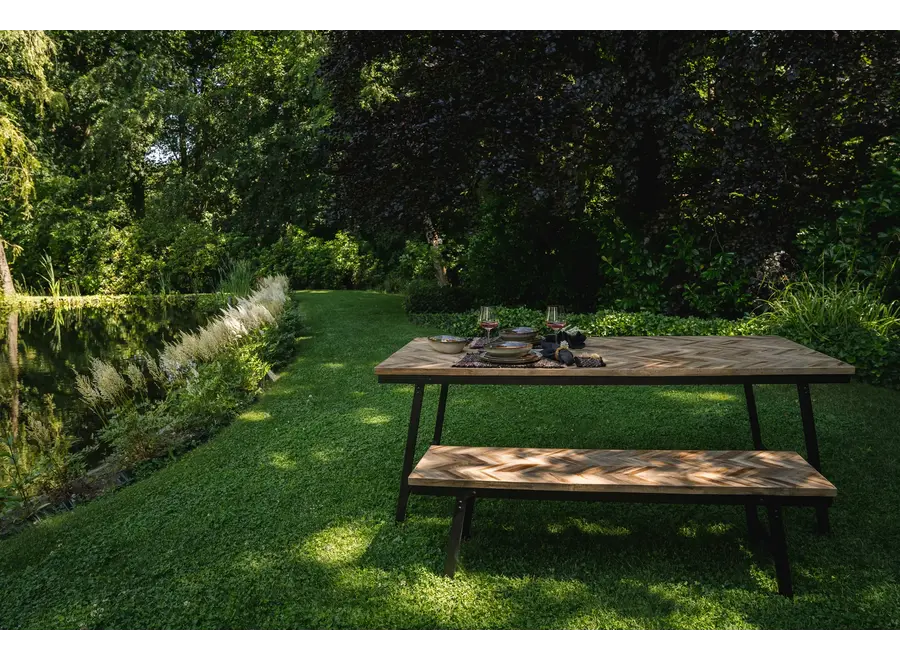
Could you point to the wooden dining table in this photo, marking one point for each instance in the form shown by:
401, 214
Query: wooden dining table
662, 360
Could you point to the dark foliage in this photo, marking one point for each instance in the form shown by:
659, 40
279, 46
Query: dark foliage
624, 166
427, 296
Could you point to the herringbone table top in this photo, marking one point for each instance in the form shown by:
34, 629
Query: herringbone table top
663, 357
772, 473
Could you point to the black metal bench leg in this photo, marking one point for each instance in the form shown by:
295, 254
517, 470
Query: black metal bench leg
467, 522
754, 528
456, 532
442, 407
754, 418
778, 543
823, 526
412, 436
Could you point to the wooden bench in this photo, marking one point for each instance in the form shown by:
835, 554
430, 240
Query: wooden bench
772, 479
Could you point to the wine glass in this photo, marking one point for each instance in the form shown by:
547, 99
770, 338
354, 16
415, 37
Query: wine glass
556, 319
487, 318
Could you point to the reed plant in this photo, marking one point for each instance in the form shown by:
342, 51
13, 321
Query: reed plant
237, 278
54, 285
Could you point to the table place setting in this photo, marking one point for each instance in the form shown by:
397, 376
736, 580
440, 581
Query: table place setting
520, 347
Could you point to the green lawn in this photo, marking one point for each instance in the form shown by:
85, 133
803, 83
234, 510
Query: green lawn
285, 519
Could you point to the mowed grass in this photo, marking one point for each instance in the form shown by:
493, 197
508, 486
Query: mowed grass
285, 519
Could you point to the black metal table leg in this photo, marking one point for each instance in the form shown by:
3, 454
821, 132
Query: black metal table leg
456, 532
823, 525
778, 543
754, 418
467, 522
442, 406
754, 528
412, 436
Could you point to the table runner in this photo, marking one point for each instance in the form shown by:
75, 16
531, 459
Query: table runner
473, 360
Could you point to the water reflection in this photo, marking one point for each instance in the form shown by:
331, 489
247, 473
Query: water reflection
43, 350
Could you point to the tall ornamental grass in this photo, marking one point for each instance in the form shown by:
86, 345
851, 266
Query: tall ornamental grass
106, 387
818, 309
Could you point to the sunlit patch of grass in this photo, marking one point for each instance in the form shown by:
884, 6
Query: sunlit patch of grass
699, 396
341, 544
256, 562
254, 416
282, 461
372, 416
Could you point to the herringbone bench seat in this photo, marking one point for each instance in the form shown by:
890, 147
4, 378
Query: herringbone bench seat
753, 478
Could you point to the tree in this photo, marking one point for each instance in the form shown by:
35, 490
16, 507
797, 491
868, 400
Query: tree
25, 56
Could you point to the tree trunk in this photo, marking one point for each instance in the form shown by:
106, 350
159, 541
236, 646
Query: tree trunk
182, 145
9, 288
138, 196
12, 338
434, 240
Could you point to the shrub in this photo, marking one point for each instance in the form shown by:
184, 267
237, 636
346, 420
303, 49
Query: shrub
57, 466
605, 323
280, 339
865, 239
136, 436
212, 397
206, 400
310, 262
191, 260
427, 296
843, 319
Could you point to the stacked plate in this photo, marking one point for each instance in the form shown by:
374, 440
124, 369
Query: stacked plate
522, 333
509, 352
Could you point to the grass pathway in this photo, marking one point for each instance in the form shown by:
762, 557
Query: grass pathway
285, 518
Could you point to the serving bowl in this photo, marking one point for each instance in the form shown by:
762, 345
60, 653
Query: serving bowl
448, 343
508, 349
523, 333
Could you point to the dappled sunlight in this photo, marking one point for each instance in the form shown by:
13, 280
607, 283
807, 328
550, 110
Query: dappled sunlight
332, 365
694, 529
254, 416
696, 395
282, 461
418, 596
372, 416
377, 419
588, 528
340, 545
326, 455
255, 561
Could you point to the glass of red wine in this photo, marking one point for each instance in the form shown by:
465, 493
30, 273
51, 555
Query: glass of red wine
487, 318
556, 319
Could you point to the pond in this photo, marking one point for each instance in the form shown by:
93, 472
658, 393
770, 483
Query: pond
43, 351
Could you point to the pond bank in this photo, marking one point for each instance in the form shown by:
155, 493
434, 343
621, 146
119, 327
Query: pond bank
31, 303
